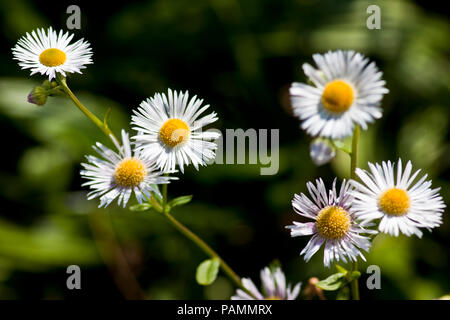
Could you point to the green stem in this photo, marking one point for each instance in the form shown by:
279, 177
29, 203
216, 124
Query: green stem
198, 241
102, 125
206, 249
353, 165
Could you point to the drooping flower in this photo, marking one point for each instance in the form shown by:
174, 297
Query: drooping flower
50, 53
334, 223
170, 130
321, 151
401, 206
347, 90
119, 174
273, 284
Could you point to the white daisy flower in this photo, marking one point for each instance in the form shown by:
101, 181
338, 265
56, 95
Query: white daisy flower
274, 287
400, 206
50, 53
170, 131
347, 91
119, 174
334, 223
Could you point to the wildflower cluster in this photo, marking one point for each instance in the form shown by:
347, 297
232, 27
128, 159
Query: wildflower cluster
344, 95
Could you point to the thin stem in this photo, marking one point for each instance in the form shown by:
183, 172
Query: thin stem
206, 249
102, 125
353, 165
197, 240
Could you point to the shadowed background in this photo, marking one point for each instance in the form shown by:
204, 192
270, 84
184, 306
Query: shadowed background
240, 56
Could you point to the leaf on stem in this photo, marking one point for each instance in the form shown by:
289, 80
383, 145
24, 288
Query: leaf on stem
333, 282
140, 207
341, 146
339, 279
207, 271
180, 201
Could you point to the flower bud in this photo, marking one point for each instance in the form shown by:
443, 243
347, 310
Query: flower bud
38, 96
321, 151
40, 93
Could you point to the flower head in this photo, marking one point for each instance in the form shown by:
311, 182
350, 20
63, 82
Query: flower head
347, 90
391, 198
274, 287
321, 151
118, 174
170, 130
49, 53
334, 223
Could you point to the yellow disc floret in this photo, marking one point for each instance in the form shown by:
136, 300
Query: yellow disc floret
173, 132
394, 202
333, 222
273, 298
52, 57
130, 172
337, 96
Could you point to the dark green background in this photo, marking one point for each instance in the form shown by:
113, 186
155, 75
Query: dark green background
240, 56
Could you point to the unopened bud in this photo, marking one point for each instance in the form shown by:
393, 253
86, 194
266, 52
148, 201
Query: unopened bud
38, 96
321, 151
40, 93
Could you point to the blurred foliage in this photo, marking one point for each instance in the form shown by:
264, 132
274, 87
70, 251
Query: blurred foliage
240, 56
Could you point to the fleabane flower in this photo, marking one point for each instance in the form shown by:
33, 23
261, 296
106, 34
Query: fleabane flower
119, 174
401, 206
347, 90
50, 53
170, 130
273, 284
334, 223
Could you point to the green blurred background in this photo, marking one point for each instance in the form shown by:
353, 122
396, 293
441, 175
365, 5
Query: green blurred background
240, 56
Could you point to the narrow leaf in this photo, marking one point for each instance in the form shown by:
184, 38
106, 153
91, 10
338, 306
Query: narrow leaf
140, 207
180, 201
341, 269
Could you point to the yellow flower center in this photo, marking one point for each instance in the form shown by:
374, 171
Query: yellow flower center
130, 172
173, 132
273, 298
337, 96
52, 57
333, 222
394, 202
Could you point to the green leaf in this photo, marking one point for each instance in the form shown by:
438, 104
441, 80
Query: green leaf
180, 201
333, 282
207, 271
341, 146
140, 207
341, 269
